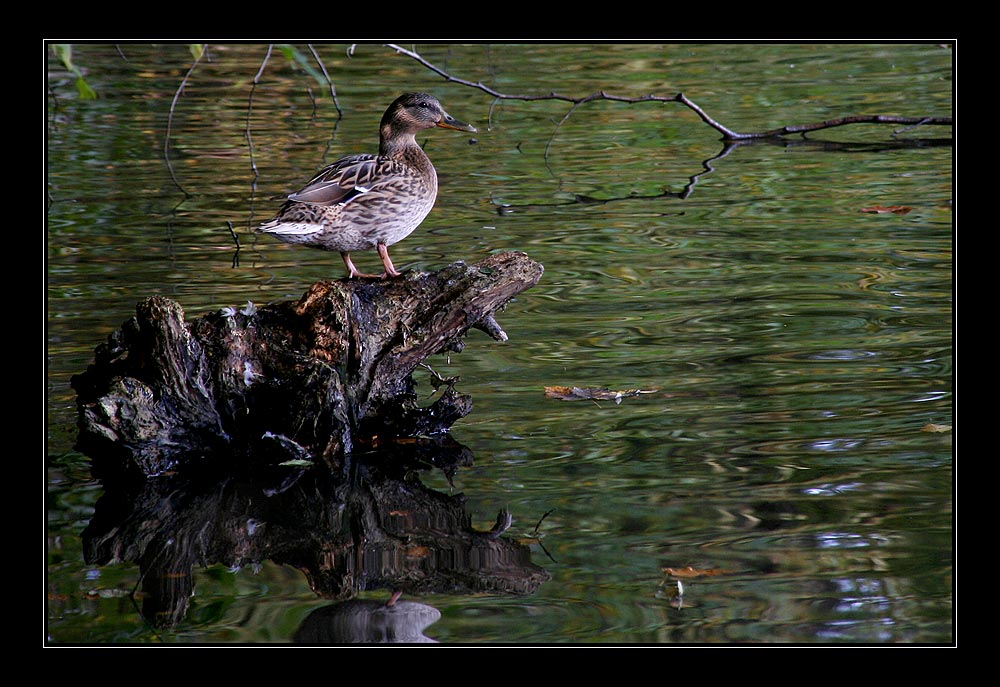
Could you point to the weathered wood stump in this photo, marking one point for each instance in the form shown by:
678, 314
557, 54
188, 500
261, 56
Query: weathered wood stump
318, 379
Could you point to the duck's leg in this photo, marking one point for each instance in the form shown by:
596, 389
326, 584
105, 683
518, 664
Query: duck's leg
390, 270
353, 272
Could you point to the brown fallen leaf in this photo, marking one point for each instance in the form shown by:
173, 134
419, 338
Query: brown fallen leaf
689, 572
576, 393
882, 209
931, 427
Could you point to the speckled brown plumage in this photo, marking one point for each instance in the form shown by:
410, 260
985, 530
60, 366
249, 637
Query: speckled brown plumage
362, 202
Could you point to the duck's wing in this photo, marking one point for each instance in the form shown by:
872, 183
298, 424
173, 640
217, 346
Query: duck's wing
345, 180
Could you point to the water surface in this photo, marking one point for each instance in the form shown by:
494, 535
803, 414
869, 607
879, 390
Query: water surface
796, 350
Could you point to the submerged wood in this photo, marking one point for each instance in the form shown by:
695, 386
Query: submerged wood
315, 380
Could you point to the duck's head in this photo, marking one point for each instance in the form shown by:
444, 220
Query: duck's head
412, 112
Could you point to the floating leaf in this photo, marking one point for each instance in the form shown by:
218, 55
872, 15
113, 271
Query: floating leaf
882, 209
931, 427
576, 393
689, 572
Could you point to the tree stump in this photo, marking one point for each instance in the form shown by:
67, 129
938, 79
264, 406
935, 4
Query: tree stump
314, 380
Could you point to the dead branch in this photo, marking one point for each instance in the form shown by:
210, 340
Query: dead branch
246, 133
329, 81
170, 119
727, 133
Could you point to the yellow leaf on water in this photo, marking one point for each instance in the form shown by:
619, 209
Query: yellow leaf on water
931, 427
576, 393
882, 209
689, 571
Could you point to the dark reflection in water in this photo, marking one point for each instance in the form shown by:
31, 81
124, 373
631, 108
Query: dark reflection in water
376, 527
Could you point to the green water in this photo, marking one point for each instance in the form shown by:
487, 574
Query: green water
795, 348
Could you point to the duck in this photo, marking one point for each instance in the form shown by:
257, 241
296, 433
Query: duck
365, 202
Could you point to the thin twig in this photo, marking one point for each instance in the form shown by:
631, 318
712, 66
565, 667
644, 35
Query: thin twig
843, 121
544, 515
569, 113
236, 240
247, 133
329, 81
170, 119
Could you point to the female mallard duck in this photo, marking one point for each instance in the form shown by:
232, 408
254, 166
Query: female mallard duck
362, 202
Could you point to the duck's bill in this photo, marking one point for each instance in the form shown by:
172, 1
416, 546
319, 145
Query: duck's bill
450, 122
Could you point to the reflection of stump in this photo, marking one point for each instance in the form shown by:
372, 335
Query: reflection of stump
375, 526
315, 379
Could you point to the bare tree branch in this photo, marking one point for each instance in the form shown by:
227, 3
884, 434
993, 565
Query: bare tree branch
842, 121
170, 118
329, 81
727, 133
246, 133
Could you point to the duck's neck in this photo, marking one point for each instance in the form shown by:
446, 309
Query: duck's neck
398, 146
